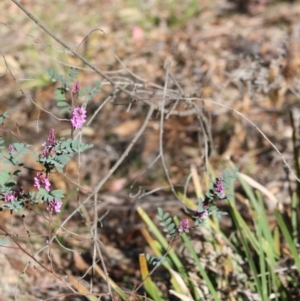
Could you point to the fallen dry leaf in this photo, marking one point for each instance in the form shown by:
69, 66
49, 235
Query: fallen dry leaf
127, 128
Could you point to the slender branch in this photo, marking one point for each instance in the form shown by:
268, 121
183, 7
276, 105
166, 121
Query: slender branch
28, 254
256, 127
116, 165
161, 132
89, 34
170, 246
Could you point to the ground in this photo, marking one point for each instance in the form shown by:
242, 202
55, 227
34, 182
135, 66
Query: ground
240, 67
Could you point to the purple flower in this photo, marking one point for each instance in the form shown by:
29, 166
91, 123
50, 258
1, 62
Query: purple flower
10, 196
21, 192
37, 180
78, 117
11, 148
54, 206
203, 214
183, 226
45, 152
219, 188
76, 87
40, 180
51, 138
49, 144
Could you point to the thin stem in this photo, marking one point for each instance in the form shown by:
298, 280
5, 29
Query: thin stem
161, 132
116, 165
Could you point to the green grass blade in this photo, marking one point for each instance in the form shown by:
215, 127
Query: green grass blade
266, 231
157, 249
262, 263
175, 259
202, 271
243, 227
240, 229
295, 204
288, 238
151, 288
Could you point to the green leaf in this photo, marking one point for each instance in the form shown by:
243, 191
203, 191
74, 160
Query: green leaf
57, 194
160, 211
3, 116
59, 95
64, 110
17, 172
73, 74
61, 104
4, 176
20, 150
171, 226
14, 206
44, 196
166, 215
168, 221
55, 76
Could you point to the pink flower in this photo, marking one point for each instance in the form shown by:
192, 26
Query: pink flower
137, 33
78, 117
76, 87
54, 206
49, 144
202, 214
138, 36
219, 188
183, 226
45, 152
51, 138
10, 196
21, 192
11, 148
40, 180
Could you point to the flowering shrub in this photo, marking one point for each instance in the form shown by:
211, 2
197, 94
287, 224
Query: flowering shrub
54, 156
205, 208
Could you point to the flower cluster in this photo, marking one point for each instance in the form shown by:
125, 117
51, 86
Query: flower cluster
205, 207
10, 196
11, 149
201, 214
40, 180
183, 226
54, 206
219, 188
49, 144
13, 196
78, 118
76, 87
